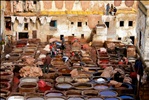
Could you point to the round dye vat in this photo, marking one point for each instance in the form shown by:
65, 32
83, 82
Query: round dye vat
94, 98
16, 98
126, 97
2, 98
64, 86
54, 94
108, 93
54, 98
75, 98
35, 98
111, 99
100, 87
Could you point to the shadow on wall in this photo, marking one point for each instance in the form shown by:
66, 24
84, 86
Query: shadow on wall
90, 38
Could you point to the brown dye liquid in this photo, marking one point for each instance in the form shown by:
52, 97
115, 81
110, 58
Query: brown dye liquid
3, 86
28, 86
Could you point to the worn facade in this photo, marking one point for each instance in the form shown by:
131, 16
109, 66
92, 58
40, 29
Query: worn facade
39, 19
42, 18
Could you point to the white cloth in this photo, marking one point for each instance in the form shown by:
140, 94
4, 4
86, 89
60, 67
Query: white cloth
7, 56
48, 19
42, 19
33, 19
20, 19
13, 18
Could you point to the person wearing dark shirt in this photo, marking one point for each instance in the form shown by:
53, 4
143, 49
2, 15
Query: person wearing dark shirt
114, 10
139, 67
16, 78
47, 63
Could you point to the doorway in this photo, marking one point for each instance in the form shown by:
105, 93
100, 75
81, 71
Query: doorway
82, 36
61, 36
133, 39
140, 36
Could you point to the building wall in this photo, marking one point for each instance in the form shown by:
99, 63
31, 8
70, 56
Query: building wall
2, 16
140, 30
92, 13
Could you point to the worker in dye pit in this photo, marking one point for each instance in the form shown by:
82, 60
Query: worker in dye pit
47, 63
65, 58
58, 44
16, 78
52, 50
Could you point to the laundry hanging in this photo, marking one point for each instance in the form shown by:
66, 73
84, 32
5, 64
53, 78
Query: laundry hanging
33, 19
42, 19
48, 19
13, 18
20, 19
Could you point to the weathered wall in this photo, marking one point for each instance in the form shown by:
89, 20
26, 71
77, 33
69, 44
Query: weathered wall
146, 51
140, 28
125, 31
2, 16
64, 25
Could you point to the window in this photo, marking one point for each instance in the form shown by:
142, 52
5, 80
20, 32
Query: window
25, 26
8, 23
121, 23
107, 24
79, 24
119, 38
130, 23
82, 36
72, 23
35, 2
86, 23
53, 23
98, 22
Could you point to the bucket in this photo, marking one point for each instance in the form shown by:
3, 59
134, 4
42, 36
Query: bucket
6, 75
63, 86
90, 92
55, 98
112, 98
127, 97
28, 87
16, 97
108, 93
4, 93
5, 85
100, 87
94, 98
75, 98
2, 98
29, 79
35, 98
73, 93
53, 93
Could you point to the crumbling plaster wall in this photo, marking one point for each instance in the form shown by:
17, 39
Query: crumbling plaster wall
140, 27
146, 51
17, 27
64, 27
2, 16
125, 31
86, 5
